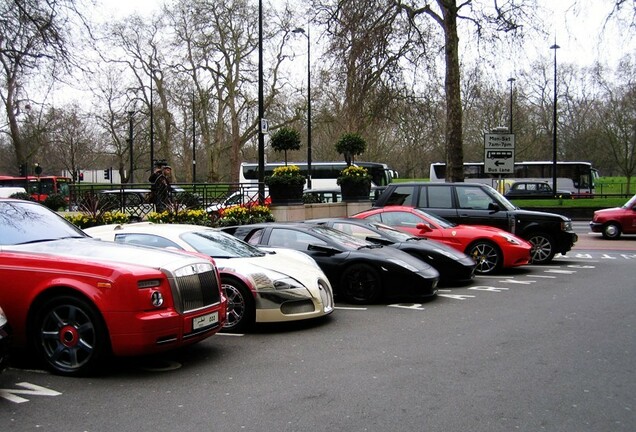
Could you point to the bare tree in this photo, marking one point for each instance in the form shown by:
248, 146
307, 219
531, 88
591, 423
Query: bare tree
618, 117
34, 36
506, 16
72, 141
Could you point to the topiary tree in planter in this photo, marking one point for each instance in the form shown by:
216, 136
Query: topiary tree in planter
285, 139
350, 145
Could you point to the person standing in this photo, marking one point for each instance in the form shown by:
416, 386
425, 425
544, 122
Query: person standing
161, 188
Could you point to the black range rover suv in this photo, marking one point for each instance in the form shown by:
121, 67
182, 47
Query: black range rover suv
480, 204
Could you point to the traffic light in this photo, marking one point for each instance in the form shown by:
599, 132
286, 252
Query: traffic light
23, 170
107, 173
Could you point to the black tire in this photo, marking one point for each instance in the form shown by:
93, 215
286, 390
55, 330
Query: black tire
361, 284
487, 255
241, 309
611, 231
70, 336
543, 248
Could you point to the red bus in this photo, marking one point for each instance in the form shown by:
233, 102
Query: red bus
39, 187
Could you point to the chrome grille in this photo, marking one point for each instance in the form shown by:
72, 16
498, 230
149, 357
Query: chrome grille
197, 291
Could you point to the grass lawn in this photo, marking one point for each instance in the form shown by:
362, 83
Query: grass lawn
572, 203
605, 185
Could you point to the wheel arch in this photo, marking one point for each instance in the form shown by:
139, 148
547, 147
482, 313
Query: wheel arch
52, 293
482, 240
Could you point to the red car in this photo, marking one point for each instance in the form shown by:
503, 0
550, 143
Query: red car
73, 300
615, 221
491, 248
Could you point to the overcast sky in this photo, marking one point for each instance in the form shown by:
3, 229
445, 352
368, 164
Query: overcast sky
576, 24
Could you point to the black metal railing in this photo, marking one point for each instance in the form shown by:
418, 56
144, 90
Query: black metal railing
136, 201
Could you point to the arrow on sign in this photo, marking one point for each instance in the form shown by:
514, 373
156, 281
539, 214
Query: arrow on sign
32, 389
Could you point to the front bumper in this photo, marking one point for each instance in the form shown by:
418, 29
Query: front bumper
144, 333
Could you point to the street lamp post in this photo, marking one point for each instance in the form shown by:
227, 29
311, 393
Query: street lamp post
194, 142
261, 110
306, 34
554, 125
511, 81
152, 125
131, 179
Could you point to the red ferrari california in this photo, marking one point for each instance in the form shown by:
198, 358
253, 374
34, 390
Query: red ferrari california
491, 248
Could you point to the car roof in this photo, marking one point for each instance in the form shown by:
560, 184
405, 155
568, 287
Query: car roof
150, 227
420, 183
126, 191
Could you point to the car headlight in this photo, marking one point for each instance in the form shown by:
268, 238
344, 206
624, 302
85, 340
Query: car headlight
287, 283
270, 279
566, 226
510, 239
404, 264
3, 318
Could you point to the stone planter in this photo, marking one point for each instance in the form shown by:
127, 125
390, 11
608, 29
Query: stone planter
355, 191
282, 194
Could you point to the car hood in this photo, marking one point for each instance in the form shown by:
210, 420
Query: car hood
538, 215
609, 211
88, 249
393, 254
432, 246
298, 269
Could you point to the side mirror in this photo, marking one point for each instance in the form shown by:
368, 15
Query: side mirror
423, 227
494, 207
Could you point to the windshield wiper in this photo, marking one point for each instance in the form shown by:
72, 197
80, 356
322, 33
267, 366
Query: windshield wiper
371, 246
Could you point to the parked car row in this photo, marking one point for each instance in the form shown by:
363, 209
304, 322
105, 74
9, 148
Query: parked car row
359, 271
479, 204
274, 285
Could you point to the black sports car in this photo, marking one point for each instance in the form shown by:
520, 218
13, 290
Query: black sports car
359, 271
452, 265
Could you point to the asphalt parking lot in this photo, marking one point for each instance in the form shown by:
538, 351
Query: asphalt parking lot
536, 348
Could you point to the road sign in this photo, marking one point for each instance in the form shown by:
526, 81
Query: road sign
499, 153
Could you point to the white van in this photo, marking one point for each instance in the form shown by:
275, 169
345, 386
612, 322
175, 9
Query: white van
6, 192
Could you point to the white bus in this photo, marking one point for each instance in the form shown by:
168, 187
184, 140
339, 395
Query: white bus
575, 177
323, 174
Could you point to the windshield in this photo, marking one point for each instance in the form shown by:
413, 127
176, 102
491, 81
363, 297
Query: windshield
28, 222
392, 233
501, 200
218, 244
630, 203
443, 223
341, 238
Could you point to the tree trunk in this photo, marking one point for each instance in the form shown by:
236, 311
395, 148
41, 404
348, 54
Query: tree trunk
454, 140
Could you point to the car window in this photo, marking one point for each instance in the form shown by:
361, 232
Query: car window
218, 244
24, 222
402, 195
398, 218
146, 240
471, 197
292, 239
355, 230
439, 197
254, 237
